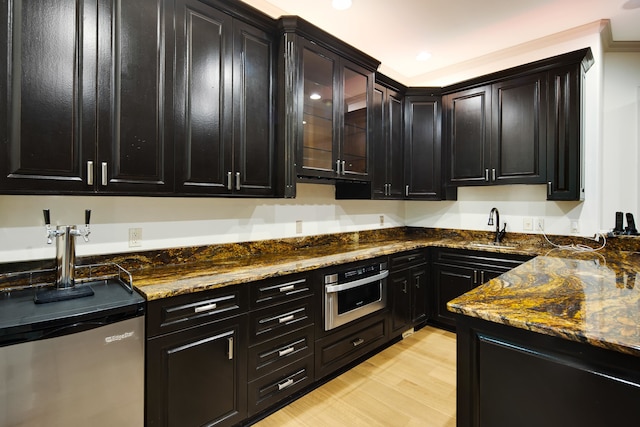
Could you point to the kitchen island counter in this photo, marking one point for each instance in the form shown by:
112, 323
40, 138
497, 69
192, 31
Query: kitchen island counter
554, 342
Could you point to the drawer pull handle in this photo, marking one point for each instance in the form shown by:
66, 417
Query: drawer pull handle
285, 384
357, 342
287, 288
285, 351
207, 307
286, 318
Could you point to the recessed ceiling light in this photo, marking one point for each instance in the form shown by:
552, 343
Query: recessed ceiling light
341, 4
315, 96
423, 56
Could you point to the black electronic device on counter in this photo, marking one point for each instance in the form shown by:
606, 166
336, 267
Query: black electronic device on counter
619, 226
631, 226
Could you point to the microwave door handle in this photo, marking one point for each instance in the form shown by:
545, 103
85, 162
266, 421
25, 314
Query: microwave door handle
350, 285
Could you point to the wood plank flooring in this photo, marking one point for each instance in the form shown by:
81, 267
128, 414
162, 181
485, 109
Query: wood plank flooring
411, 383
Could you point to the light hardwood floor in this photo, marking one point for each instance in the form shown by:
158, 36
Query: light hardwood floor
411, 383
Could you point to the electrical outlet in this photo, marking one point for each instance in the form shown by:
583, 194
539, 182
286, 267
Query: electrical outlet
135, 237
575, 227
539, 224
381, 220
527, 224
299, 226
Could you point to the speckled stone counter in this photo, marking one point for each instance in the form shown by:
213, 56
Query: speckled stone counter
585, 297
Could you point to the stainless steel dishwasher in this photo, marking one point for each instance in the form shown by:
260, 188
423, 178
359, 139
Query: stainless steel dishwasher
78, 362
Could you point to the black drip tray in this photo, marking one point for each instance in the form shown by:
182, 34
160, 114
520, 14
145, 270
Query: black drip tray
62, 294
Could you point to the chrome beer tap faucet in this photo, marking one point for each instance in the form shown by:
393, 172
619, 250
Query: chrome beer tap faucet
64, 236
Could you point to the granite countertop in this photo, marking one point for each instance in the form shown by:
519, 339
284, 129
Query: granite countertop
590, 297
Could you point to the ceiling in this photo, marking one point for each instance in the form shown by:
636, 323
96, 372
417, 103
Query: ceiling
452, 31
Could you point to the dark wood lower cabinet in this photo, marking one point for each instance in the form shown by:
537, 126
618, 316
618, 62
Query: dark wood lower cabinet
515, 377
198, 376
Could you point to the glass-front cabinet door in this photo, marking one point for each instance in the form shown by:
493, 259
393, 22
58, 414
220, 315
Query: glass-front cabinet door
318, 116
354, 154
334, 101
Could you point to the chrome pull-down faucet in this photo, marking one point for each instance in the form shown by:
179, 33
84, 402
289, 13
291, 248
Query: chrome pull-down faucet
499, 233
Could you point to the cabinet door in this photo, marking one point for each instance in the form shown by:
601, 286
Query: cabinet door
518, 137
423, 148
47, 94
353, 153
386, 144
565, 175
449, 282
419, 295
400, 290
253, 111
203, 94
316, 152
198, 376
135, 140
468, 124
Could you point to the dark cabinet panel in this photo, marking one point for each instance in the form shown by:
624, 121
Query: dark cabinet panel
408, 290
387, 145
223, 103
423, 150
400, 301
198, 376
135, 142
48, 100
565, 142
519, 117
468, 126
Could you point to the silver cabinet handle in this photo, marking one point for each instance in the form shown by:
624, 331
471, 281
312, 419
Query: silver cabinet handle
343, 169
286, 318
493, 174
206, 307
104, 174
404, 286
230, 348
486, 175
287, 288
357, 342
229, 183
285, 384
475, 276
418, 282
481, 277
285, 351
237, 180
406, 190
90, 172
338, 166
549, 188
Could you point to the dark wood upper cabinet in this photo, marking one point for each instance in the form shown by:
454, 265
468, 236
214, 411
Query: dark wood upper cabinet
326, 94
387, 143
224, 108
565, 150
497, 133
48, 99
423, 148
135, 141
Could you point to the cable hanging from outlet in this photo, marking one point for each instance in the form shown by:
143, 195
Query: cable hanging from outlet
579, 247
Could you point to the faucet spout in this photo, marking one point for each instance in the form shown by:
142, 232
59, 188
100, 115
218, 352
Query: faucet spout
499, 233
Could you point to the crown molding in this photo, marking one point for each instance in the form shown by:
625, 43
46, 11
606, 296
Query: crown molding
611, 45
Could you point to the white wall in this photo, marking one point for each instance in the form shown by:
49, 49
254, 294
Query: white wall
621, 129
176, 222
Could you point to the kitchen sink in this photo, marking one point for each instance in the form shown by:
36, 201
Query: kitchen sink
493, 245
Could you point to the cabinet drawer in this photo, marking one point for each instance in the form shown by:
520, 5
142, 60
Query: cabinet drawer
407, 259
280, 384
337, 350
274, 354
171, 314
280, 319
478, 259
282, 289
